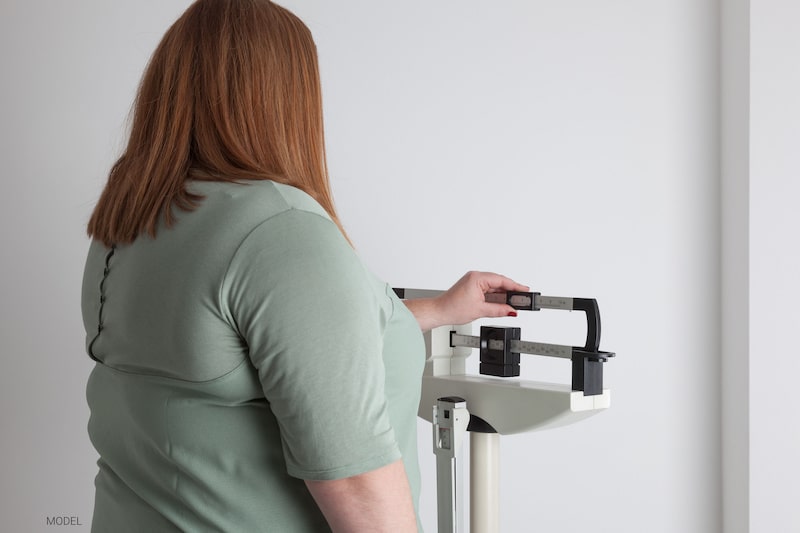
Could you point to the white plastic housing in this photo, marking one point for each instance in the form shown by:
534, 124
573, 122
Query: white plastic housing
509, 405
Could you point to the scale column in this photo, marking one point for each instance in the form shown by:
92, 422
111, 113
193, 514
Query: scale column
484, 471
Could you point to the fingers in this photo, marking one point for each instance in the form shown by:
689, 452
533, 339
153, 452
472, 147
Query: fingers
466, 300
492, 282
507, 284
499, 311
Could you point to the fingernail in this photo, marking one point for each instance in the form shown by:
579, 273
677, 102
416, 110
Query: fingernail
512, 313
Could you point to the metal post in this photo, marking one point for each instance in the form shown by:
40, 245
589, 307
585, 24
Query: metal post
484, 471
450, 421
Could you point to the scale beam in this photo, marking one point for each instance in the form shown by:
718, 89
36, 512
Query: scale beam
517, 346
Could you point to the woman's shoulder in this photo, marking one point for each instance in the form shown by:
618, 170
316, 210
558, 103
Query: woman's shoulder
264, 198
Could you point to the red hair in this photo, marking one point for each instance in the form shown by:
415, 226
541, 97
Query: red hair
232, 93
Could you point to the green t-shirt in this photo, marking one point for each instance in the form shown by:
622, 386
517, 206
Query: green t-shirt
241, 351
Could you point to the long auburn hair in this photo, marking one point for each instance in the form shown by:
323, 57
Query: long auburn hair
232, 93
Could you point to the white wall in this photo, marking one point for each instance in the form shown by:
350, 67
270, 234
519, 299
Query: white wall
571, 145
774, 265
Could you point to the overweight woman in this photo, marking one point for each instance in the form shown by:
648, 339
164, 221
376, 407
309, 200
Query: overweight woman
251, 373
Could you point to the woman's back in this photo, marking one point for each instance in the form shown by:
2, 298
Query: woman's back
242, 350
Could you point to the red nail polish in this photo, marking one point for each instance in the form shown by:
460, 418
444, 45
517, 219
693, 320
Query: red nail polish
512, 313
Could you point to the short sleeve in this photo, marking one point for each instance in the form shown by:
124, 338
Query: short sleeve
307, 308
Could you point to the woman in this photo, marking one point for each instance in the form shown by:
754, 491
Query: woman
251, 374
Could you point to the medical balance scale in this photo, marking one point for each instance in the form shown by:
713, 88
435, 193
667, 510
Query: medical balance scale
488, 405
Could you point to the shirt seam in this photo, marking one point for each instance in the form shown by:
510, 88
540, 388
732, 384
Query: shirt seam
289, 209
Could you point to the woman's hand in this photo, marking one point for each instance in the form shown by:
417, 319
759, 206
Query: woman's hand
465, 301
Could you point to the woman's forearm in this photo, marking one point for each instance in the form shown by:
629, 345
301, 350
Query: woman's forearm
426, 311
378, 501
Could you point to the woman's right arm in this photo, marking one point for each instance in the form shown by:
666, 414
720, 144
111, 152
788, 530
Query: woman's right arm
376, 501
311, 321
